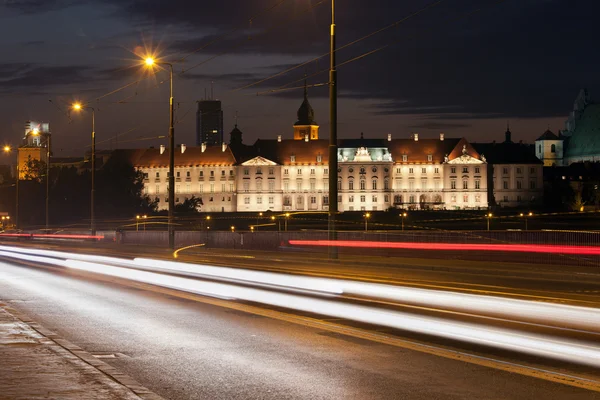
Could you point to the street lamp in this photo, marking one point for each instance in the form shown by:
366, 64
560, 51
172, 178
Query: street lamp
530, 214
489, 217
333, 161
232, 228
150, 62
137, 223
403, 215
287, 215
7, 149
79, 107
367, 216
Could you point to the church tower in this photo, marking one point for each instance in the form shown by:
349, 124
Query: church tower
306, 126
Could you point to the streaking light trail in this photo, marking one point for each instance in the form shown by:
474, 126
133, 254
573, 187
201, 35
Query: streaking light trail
509, 339
522, 248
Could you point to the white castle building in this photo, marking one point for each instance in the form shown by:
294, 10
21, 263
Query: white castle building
292, 174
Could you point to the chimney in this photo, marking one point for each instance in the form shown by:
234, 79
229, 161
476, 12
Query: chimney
416, 137
223, 146
279, 138
162, 148
183, 147
441, 136
203, 147
389, 137
306, 137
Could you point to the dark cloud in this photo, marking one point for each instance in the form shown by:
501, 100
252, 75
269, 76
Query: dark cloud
40, 76
37, 6
439, 125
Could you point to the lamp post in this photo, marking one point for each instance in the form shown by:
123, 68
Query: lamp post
367, 216
137, 223
403, 215
333, 162
207, 221
8, 150
489, 217
150, 62
79, 107
530, 214
287, 215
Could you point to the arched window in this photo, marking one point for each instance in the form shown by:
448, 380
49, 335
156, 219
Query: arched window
351, 184
374, 184
363, 184
339, 185
553, 148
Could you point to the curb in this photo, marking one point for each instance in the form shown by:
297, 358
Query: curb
93, 362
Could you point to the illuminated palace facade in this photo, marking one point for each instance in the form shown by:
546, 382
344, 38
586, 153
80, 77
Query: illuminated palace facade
292, 174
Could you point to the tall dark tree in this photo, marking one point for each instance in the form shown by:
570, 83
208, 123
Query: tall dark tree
119, 190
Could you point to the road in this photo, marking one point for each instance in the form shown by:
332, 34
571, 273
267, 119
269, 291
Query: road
187, 347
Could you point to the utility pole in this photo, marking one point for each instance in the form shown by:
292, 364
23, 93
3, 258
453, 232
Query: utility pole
333, 163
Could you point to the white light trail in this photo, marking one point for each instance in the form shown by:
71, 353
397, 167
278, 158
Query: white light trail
536, 344
507, 339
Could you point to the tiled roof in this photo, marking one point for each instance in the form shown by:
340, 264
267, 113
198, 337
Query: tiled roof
507, 153
417, 151
213, 155
548, 135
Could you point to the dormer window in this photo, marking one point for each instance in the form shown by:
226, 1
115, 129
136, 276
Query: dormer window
319, 158
404, 158
293, 158
429, 157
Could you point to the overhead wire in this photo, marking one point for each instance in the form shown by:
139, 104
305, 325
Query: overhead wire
392, 25
373, 51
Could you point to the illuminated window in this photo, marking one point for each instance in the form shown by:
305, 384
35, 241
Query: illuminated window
212, 187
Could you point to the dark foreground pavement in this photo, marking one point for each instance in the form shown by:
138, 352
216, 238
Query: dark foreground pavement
37, 364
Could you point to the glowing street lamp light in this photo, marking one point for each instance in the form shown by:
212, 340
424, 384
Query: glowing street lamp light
489, 217
403, 215
530, 214
80, 107
232, 228
287, 216
151, 62
367, 216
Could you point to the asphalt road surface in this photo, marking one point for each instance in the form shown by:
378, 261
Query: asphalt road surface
188, 348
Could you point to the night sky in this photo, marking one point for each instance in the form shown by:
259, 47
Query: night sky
463, 67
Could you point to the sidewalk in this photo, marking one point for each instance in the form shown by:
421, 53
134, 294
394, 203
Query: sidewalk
37, 364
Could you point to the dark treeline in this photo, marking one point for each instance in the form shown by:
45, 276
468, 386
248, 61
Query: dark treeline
119, 195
